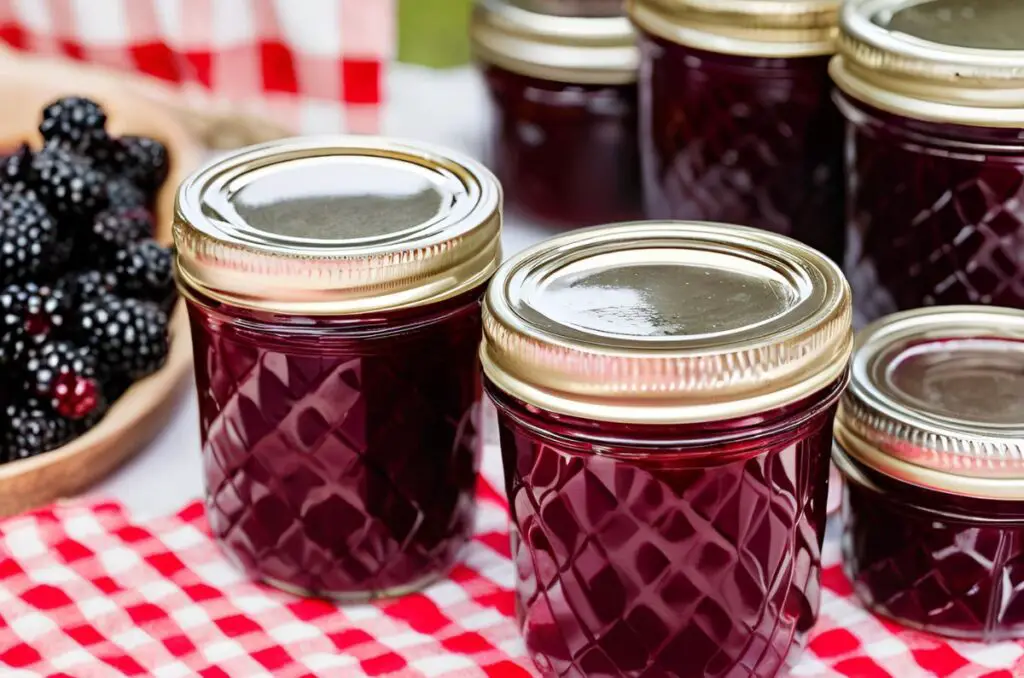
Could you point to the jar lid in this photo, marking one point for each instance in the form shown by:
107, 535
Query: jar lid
582, 50
958, 61
337, 225
578, 8
936, 399
759, 28
666, 322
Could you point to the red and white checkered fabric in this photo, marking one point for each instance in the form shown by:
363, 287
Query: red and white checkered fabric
311, 64
87, 591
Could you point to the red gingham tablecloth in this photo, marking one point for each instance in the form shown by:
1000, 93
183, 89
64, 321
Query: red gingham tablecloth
87, 591
310, 64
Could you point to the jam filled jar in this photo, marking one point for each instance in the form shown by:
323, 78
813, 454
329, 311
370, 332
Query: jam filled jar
933, 92
737, 123
930, 439
334, 288
563, 93
665, 396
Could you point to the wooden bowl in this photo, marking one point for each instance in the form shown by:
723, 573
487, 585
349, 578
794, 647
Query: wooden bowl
27, 84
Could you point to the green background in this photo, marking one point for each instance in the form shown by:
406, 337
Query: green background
433, 32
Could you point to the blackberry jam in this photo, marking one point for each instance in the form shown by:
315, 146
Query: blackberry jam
930, 439
737, 122
563, 94
334, 288
935, 159
665, 449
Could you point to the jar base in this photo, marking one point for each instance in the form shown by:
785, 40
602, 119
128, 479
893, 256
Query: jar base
951, 634
358, 597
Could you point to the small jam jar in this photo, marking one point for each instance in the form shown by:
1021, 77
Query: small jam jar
930, 439
933, 92
665, 395
737, 123
334, 288
563, 94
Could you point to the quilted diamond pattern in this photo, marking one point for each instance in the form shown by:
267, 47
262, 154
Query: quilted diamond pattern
649, 568
742, 141
336, 464
960, 577
932, 221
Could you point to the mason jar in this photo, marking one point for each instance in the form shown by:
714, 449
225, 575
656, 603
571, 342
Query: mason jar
334, 288
930, 439
561, 80
933, 94
665, 396
737, 122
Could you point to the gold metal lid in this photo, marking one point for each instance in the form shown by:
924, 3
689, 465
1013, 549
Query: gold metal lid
958, 61
337, 225
584, 50
758, 28
578, 8
666, 322
936, 399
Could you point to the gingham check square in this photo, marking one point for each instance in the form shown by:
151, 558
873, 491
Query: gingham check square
87, 591
310, 64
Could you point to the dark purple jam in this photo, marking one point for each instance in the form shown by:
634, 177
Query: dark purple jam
565, 153
934, 561
936, 213
742, 140
658, 550
340, 453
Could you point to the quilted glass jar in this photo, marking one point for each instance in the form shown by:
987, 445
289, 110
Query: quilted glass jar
737, 122
563, 100
334, 288
665, 395
933, 93
930, 438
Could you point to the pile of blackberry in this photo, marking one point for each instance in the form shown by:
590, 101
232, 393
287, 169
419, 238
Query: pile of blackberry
84, 289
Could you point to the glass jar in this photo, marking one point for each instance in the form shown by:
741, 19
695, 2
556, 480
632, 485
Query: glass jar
934, 97
737, 123
930, 439
665, 396
563, 94
334, 288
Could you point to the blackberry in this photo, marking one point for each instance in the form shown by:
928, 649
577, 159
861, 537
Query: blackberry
66, 376
129, 336
28, 236
12, 345
143, 271
123, 193
117, 228
33, 428
33, 311
16, 174
76, 123
143, 160
69, 184
85, 286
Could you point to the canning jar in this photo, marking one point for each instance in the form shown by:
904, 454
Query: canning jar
334, 288
563, 100
665, 395
737, 122
933, 93
930, 439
